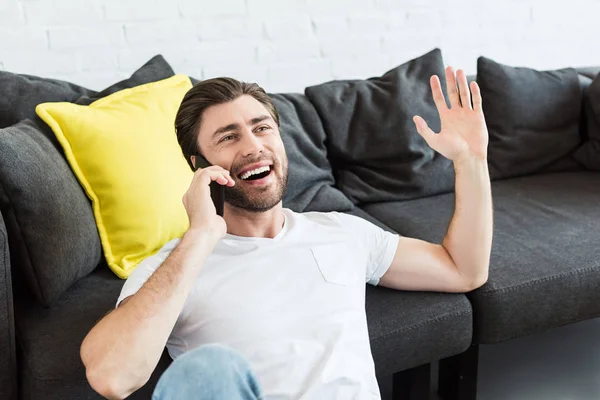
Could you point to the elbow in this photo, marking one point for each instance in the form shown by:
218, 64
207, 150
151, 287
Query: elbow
109, 384
103, 384
106, 379
475, 282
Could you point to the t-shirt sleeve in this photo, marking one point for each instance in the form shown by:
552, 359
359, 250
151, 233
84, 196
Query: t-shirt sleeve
380, 245
144, 271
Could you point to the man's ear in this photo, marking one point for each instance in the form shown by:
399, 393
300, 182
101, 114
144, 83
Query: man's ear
193, 159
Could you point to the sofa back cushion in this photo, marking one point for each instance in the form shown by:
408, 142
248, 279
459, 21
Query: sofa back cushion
532, 116
47, 213
49, 219
375, 150
21, 93
589, 153
310, 181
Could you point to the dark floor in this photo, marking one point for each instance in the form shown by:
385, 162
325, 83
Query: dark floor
560, 364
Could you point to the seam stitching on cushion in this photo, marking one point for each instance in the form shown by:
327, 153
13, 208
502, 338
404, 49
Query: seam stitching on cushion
437, 319
546, 279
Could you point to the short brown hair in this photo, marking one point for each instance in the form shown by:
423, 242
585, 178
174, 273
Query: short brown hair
209, 93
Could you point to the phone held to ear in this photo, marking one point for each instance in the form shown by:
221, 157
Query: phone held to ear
217, 191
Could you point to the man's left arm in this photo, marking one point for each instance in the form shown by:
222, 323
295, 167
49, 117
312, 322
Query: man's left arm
461, 262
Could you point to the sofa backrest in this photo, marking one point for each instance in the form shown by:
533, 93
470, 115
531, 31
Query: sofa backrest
8, 361
586, 76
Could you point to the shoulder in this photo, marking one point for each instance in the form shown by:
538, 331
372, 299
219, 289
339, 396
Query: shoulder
334, 219
317, 217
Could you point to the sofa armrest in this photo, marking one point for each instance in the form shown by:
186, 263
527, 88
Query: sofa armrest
8, 360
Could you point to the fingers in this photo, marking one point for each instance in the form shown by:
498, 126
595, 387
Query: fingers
424, 130
451, 88
458, 89
438, 95
476, 97
463, 88
214, 173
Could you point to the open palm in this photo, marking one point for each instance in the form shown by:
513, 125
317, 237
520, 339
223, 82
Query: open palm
463, 132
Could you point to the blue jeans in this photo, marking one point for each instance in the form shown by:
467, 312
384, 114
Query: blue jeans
208, 372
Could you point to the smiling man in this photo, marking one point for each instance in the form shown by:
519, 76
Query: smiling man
267, 303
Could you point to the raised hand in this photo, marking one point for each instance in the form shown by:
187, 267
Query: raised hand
464, 133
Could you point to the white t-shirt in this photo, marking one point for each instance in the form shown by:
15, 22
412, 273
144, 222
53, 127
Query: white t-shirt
293, 305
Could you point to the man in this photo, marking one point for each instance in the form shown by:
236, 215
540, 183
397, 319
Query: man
266, 303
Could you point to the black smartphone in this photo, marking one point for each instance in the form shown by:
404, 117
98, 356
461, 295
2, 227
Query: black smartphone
217, 191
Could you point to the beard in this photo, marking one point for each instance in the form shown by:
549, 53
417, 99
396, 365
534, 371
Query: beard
259, 199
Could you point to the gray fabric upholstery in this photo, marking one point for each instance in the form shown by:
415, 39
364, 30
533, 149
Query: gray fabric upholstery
8, 361
360, 213
589, 153
49, 339
155, 69
408, 329
532, 116
22, 93
374, 147
310, 182
544, 268
54, 219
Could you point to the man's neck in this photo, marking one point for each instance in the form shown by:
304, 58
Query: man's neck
251, 224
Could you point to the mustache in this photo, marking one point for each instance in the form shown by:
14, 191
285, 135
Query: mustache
271, 157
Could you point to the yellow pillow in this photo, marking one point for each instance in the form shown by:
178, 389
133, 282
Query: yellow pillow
124, 151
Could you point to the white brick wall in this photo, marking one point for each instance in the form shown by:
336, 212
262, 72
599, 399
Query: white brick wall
285, 45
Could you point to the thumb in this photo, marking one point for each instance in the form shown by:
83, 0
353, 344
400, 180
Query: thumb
424, 130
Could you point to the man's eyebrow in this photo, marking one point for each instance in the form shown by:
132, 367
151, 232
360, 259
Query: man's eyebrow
227, 128
259, 119
234, 126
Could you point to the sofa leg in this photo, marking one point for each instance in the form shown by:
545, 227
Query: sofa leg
412, 384
458, 375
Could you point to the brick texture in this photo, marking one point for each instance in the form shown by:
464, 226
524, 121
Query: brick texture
286, 45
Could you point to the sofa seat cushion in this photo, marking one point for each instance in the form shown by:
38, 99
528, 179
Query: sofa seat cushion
544, 268
408, 329
49, 339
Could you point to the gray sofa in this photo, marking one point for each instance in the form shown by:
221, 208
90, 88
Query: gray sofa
544, 268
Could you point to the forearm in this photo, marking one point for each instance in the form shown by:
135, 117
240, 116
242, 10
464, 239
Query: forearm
469, 236
123, 349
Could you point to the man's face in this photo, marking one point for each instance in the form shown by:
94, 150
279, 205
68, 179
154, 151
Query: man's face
241, 136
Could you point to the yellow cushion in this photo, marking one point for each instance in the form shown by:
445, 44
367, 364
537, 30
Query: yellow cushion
124, 151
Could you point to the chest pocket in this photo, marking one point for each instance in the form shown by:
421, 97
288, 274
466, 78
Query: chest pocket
336, 264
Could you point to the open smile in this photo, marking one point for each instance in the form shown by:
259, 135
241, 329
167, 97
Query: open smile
257, 176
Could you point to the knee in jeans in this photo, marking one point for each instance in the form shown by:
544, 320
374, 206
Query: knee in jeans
212, 359
213, 371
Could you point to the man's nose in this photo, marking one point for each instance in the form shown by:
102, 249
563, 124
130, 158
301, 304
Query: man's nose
251, 144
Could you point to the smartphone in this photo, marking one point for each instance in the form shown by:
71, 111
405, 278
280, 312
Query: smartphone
217, 191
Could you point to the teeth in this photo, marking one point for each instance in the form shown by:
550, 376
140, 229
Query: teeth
260, 170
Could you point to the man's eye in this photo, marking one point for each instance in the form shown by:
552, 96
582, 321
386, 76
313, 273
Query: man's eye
225, 138
264, 128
